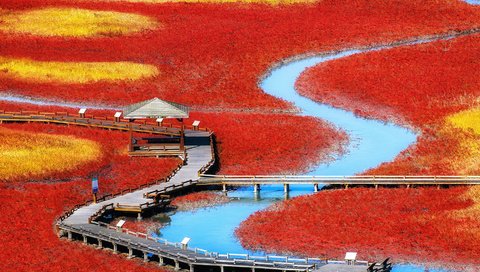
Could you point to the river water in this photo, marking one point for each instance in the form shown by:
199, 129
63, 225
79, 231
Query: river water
371, 143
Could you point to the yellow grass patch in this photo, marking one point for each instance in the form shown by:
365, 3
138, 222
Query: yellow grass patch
31, 155
270, 2
71, 22
73, 72
469, 119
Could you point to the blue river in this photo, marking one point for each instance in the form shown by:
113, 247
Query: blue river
371, 143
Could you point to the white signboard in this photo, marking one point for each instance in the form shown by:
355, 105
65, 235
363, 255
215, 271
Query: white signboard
118, 114
351, 256
185, 241
120, 223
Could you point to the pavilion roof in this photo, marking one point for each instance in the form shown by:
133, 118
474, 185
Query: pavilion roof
155, 108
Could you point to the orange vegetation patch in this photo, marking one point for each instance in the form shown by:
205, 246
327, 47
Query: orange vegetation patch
74, 22
414, 225
73, 72
27, 155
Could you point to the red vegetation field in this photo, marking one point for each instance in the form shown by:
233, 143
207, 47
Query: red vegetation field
275, 143
29, 210
414, 225
213, 54
418, 86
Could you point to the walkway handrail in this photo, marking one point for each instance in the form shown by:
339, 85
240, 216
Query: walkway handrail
90, 120
274, 259
380, 179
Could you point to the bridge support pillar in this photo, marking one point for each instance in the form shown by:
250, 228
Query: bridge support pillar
85, 241
139, 216
376, 186
224, 189
99, 243
177, 265
130, 253
115, 250
253, 269
408, 186
286, 188
160, 261
256, 188
145, 257
222, 269
346, 186
69, 235
192, 269
315, 187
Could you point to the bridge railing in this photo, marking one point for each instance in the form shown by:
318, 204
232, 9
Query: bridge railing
377, 179
207, 167
102, 121
214, 257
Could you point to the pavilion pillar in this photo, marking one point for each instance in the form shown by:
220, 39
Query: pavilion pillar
130, 145
182, 136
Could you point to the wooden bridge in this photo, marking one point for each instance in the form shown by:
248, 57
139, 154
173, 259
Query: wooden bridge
346, 181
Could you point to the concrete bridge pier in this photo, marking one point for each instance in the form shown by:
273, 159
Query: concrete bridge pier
286, 187
177, 265
160, 261
192, 268
315, 187
130, 253
85, 241
115, 249
256, 188
145, 257
222, 269
69, 235
139, 216
99, 243
224, 188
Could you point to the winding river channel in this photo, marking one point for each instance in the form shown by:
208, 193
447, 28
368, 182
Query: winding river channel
371, 143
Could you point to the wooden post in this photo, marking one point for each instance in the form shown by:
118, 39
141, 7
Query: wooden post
182, 136
256, 188
160, 261
130, 145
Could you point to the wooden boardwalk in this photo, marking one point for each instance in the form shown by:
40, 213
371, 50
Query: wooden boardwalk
256, 181
81, 222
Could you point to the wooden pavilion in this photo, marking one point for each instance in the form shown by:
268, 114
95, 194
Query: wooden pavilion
156, 145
